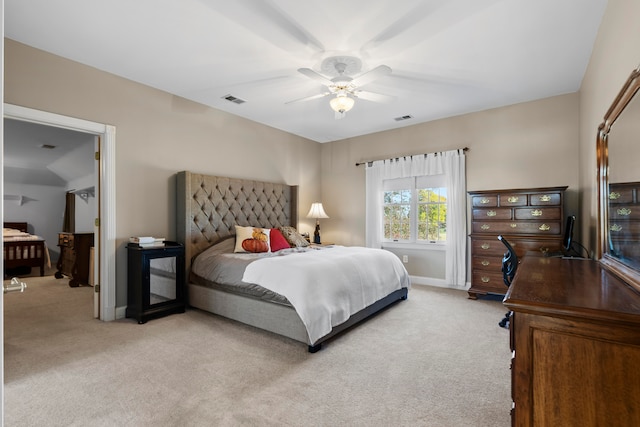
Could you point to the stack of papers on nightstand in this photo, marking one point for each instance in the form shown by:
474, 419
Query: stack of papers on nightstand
147, 242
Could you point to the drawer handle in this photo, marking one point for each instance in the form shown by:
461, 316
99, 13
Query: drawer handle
615, 228
614, 196
485, 226
485, 279
545, 198
624, 212
485, 246
512, 199
513, 225
491, 213
544, 227
485, 262
536, 212
484, 201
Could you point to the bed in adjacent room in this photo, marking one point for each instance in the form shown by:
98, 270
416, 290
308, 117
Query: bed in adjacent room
247, 262
21, 249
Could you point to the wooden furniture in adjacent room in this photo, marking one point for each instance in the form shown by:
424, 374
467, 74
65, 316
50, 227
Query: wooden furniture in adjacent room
530, 219
155, 281
18, 253
575, 340
75, 257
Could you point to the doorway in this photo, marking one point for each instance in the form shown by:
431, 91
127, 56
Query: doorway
104, 273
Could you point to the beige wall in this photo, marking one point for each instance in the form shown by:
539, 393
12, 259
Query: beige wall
532, 144
614, 56
158, 135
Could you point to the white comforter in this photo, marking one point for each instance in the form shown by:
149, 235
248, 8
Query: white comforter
327, 286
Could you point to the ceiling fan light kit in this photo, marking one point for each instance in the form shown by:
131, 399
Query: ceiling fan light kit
342, 103
343, 86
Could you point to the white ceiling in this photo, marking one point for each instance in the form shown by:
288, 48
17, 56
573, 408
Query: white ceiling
448, 57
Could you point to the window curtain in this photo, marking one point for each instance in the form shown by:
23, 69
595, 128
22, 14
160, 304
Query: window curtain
452, 165
69, 220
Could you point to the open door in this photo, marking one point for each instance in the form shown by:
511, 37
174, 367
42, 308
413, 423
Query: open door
94, 272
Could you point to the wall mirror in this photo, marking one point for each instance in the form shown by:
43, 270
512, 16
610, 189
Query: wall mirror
618, 149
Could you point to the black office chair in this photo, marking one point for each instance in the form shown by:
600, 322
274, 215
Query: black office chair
509, 267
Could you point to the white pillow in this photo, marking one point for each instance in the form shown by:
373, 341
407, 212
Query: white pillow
252, 239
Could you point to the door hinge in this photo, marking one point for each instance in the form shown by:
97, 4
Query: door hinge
97, 155
96, 288
97, 222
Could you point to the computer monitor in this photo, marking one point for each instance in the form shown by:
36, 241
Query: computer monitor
568, 233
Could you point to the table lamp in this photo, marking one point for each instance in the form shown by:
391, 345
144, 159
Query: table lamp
317, 212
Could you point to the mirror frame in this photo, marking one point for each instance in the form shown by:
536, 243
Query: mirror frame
625, 272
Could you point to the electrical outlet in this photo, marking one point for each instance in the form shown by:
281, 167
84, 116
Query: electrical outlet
405, 258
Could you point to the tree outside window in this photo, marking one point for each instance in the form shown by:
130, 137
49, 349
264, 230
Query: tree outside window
432, 214
415, 213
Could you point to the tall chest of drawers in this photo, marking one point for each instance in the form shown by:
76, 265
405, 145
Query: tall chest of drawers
624, 219
530, 219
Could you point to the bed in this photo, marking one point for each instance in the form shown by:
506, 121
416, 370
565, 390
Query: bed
22, 249
208, 210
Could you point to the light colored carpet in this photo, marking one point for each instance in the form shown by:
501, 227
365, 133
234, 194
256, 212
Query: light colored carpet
437, 359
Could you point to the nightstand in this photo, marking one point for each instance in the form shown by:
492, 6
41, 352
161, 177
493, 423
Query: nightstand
155, 281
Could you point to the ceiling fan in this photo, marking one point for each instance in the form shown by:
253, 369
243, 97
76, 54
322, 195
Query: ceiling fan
344, 87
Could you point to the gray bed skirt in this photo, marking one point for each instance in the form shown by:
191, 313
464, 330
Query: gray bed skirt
276, 318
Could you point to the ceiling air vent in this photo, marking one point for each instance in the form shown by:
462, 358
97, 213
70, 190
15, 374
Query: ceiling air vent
48, 146
233, 99
401, 118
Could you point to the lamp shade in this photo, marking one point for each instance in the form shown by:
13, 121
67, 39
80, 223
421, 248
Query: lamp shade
317, 211
342, 103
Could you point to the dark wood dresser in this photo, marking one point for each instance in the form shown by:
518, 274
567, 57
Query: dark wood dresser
530, 219
624, 219
75, 257
575, 340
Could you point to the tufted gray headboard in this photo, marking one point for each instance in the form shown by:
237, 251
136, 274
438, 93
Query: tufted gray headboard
208, 208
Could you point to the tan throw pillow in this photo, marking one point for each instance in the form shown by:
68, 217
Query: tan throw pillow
252, 239
294, 238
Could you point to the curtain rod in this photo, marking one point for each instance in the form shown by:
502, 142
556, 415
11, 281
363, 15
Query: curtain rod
397, 157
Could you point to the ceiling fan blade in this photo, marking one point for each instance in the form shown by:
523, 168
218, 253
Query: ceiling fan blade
315, 76
417, 15
269, 21
309, 98
374, 74
372, 96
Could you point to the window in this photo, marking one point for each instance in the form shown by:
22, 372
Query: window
415, 210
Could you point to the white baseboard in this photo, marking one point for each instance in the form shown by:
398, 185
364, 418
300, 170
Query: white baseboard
439, 283
121, 312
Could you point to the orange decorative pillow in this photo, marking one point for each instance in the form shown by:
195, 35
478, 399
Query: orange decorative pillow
252, 239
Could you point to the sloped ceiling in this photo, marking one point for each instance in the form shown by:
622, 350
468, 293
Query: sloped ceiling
27, 160
448, 57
